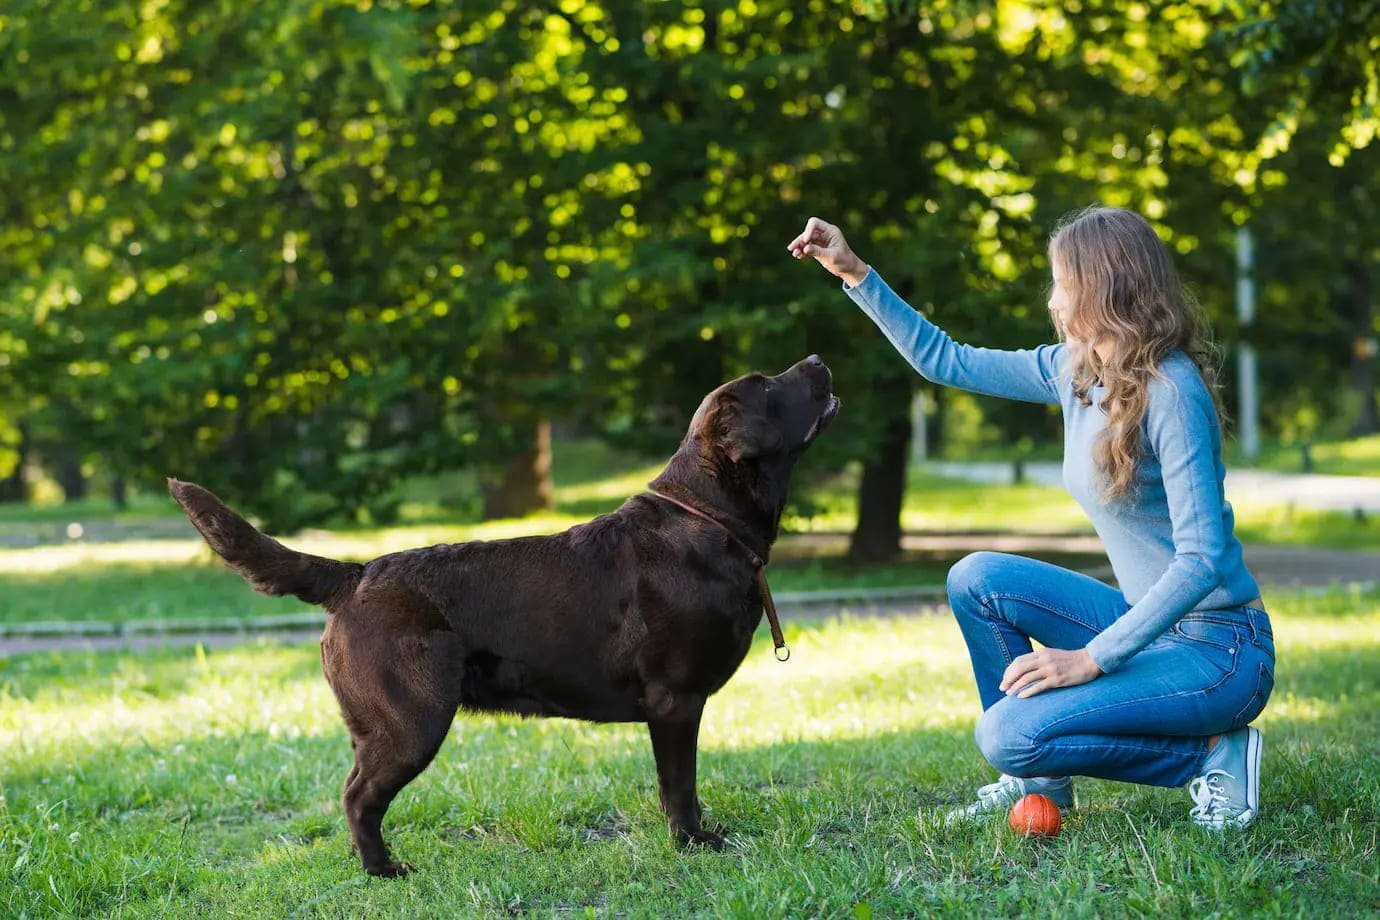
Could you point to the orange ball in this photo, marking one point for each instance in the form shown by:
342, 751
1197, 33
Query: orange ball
1035, 815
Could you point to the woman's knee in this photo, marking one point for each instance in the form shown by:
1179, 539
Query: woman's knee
1004, 742
974, 576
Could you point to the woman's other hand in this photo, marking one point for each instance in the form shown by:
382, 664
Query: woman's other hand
825, 243
1047, 668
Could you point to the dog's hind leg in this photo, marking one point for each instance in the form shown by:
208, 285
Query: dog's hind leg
386, 760
398, 694
675, 743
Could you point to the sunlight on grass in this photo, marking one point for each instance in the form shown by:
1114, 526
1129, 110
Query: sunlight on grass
612, 488
884, 666
34, 560
344, 545
144, 701
935, 503
186, 784
1258, 522
1351, 457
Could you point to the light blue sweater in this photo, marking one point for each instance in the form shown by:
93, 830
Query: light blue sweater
1170, 540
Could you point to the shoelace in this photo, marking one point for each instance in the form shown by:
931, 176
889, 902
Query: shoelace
998, 790
992, 789
1209, 797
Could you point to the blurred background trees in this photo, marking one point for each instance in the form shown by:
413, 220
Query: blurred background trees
302, 251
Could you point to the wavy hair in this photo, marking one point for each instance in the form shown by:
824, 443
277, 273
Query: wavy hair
1123, 290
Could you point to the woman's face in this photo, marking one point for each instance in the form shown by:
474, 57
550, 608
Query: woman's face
1060, 302
1061, 309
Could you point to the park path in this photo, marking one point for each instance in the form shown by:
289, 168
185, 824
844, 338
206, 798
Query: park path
1302, 490
1276, 567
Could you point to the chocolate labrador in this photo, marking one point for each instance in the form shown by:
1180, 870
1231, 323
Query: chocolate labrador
637, 616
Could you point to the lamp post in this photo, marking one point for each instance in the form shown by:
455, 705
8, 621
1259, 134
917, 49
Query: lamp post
1248, 409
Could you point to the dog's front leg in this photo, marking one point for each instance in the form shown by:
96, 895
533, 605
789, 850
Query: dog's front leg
675, 742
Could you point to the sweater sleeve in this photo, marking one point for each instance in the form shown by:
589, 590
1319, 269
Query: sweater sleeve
1181, 428
1030, 375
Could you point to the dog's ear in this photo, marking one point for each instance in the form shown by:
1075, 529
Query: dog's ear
741, 433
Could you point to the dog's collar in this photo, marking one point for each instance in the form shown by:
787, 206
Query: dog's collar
758, 563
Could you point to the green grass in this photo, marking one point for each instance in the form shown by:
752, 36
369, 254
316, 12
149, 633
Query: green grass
936, 503
179, 784
1346, 457
1352, 457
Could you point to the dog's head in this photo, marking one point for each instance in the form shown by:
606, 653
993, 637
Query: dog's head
743, 443
761, 419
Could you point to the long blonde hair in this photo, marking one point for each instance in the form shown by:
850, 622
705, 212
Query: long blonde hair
1123, 290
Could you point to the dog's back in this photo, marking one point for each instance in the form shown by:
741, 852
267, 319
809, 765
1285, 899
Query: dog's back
546, 625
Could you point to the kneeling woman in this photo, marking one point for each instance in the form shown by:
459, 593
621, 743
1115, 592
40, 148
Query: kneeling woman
1154, 683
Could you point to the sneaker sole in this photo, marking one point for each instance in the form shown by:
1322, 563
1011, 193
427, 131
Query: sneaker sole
1254, 745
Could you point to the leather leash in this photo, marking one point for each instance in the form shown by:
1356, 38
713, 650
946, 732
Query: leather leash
758, 563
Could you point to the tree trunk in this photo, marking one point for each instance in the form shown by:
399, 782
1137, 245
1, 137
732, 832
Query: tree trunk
523, 486
67, 471
1363, 351
935, 421
883, 485
119, 493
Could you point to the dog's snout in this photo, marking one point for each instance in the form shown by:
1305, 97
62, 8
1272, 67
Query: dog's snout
812, 366
822, 377
812, 373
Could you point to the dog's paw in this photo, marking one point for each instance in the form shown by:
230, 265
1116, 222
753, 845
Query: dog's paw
701, 837
389, 870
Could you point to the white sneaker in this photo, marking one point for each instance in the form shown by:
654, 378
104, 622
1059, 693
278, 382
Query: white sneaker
1228, 792
1008, 790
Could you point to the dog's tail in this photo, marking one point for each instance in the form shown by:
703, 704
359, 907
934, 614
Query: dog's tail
269, 566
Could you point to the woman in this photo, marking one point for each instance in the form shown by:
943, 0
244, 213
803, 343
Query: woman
1154, 683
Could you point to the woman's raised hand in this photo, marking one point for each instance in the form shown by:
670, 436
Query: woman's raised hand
825, 243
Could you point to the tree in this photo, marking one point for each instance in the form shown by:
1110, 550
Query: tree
314, 249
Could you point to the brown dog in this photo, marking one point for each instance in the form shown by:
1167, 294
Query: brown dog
637, 616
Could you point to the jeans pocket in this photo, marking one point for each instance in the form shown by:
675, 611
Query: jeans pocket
1219, 635
1264, 684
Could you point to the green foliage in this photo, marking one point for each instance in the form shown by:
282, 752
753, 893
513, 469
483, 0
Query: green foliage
1310, 53
304, 250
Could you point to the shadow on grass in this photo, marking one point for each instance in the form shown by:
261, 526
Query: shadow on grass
556, 814
145, 816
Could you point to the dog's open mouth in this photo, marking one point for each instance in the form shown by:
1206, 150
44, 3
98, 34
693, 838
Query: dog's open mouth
825, 417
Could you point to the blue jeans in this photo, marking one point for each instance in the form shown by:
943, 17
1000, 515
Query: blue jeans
1146, 722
